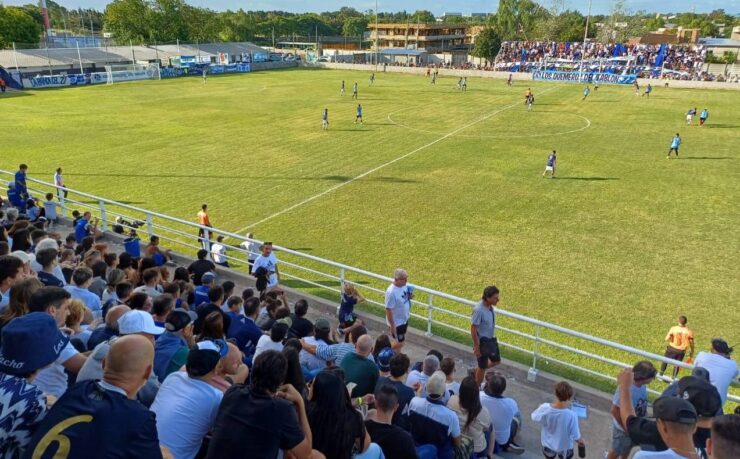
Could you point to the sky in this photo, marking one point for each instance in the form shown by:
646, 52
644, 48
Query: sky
438, 7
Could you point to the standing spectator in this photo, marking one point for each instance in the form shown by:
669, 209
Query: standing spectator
724, 443
269, 262
301, 327
203, 220
722, 369
347, 316
173, 346
336, 426
186, 404
395, 442
559, 424
399, 368
50, 211
483, 332
252, 248
676, 419
218, 252
20, 182
504, 411
418, 379
432, 423
359, 369
59, 183
11, 269
81, 280
254, 422
644, 373
28, 344
475, 420
102, 418
679, 337
200, 267
398, 297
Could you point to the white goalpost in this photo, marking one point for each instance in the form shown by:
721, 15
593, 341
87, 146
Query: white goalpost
117, 73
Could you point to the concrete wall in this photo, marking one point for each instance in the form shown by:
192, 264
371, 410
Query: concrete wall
257, 66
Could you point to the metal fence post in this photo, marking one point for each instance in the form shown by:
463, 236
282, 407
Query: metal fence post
341, 280
149, 226
532, 373
103, 217
430, 308
207, 239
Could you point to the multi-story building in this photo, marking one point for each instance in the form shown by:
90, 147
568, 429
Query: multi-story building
433, 37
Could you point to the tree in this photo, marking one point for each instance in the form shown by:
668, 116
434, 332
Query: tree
516, 19
422, 16
487, 44
129, 20
354, 26
16, 26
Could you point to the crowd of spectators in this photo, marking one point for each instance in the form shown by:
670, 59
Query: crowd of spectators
107, 355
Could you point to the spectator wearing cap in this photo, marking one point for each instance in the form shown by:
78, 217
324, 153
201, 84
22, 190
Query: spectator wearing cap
161, 308
201, 266
312, 363
187, 403
53, 379
201, 291
672, 389
559, 424
359, 369
383, 360
644, 372
273, 341
505, 417
335, 352
243, 328
269, 262
11, 269
81, 280
676, 421
172, 347
447, 365
29, 343
399, 367
723, 371
96, 419
418, 379
131, 323
110, 327
231, 370
302, 327
260, 419
395, 442
432, 423
724, 442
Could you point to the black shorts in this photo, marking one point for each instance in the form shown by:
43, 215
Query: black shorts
675, 354
401, 332
488, 352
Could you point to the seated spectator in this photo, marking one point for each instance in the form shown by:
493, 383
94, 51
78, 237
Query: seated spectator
140, 301
187, 403
724, 443
154, 251
231, 370
111, 260
722, 369
81, 279
559, 424
114, 277
267, 315
212, 327
44, 244
475, 421
204, 309
358, 369
25, 258
28, 344
309, 362
172, 347
333, 352
151, 286
161, 308
418, 379
243, 328
228, 287
201, 290
10, 271
98, 283
53, 380
504, 411
399, 367
234, 305
447, 365
254, 422
21, 241
131, 323
432, 422
302, 327
47, 258
78, 322
294, 375
395, 442
676, 420
110, 329
201, 266
20, 295
383, 360
273, 341
644, 372
336, 426
68, 263
110, 422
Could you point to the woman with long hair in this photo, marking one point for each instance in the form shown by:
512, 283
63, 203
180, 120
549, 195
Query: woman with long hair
20, 293
213, 327
294, 376
21, 241
337, 428
383, 341
475, 420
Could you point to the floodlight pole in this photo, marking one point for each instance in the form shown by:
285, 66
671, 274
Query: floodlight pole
79, 58
585, 36
377, 36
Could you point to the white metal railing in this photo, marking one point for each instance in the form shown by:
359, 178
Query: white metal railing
434, 310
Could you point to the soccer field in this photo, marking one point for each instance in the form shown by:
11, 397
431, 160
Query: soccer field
445, 184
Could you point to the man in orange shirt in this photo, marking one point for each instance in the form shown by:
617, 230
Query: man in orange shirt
204, 221
679, 338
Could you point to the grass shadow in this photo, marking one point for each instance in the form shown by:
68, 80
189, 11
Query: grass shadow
15, 93
587, 179
707, 157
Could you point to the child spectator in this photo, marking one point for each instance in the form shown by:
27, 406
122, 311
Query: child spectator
559, 424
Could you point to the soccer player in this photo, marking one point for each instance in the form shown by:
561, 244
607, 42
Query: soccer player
459, 84
508, 82
690, 116
434, 78
586, 92
342, 92
325, 119
527, 94
465, 84
648, 90
372, 79
637, 88
550, 167
530, 101
205, 75
354, 90
359, 114
703, 117
675, 143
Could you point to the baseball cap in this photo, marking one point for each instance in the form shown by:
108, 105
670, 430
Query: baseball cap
204, 356
138, 321
718, 344
179, 319
322, 324
30, 342
436, 384
285, 320
207, 277
384, 358
674, 409
701, 394
26, 258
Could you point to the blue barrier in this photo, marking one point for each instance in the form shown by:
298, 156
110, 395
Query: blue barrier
583, 77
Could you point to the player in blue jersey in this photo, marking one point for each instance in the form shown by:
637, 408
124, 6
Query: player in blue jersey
359, 114
648, 90
551, 162
586, 92
675, 143
703, 117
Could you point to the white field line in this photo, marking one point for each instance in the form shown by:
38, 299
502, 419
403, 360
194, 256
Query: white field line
377, 168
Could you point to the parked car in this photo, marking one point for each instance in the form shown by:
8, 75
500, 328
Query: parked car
324, 59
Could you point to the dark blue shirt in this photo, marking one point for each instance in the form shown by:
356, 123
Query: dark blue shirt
20, 182
245, 332
81, 230
49, 280
347, 308
99, 335
96, 423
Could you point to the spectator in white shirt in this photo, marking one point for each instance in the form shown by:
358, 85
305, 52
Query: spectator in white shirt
252, 248
723, 370
273, 341
267, 260
559, 424
151, 287
218, 252
506, 420
398, 297
418, 379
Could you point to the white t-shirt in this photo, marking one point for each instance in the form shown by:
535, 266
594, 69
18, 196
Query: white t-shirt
253, 248
266, 344
219, 253
52, 379
397, 300
667, 454
186, 409
416, 376
722, 371
559, 427
270, 264
453, 388
502, 411
153, 292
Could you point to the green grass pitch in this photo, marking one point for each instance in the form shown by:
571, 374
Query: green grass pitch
617, 246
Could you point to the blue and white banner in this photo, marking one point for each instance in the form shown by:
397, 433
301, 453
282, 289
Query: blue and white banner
583, 77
